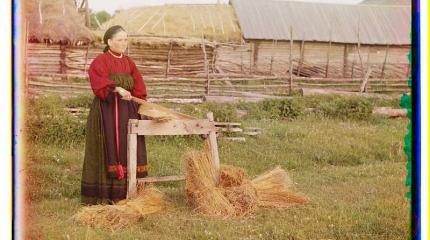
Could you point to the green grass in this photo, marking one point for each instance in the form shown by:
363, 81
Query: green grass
352, 171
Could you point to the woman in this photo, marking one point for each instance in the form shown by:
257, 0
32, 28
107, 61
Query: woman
114, 79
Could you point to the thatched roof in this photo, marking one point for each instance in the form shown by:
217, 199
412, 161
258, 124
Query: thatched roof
322, 22
217, 22
55, 21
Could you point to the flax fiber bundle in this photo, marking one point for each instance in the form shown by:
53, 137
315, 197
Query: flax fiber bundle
234, 194
230, 176
273, 189
160, 113
124, 213
200, 186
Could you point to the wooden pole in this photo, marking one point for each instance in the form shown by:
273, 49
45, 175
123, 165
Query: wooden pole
87, 14
358, 48
328, 56
192, 18
241, 62
385, 61
363, 87
97, 21
40, 12
86, 58
251, 57
302, 56
131, 159
291, 61
214, 53
206, 66
159, 20
27, 25
212, 22
149, 19
214, 147
271, 64
168, 59
63, 67
345, 59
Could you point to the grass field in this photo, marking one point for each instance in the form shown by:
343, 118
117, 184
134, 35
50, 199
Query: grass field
353, 171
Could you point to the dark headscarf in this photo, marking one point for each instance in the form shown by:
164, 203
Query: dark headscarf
110, 33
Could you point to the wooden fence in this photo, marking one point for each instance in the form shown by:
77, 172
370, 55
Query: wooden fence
175, 72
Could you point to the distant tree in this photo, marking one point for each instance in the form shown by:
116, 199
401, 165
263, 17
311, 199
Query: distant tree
102, 16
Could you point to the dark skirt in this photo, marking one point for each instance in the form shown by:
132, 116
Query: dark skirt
100, 183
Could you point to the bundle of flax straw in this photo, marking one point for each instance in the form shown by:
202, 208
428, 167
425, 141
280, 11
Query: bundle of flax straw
200, 185
233, 193
124, 213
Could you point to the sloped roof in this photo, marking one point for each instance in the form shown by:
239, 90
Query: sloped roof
387, 2
322, 22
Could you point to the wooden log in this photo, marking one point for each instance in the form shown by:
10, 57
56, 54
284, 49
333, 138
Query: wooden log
227, 124
312, 92
230, 129
389, 112
251, 133
235, 139
60, 86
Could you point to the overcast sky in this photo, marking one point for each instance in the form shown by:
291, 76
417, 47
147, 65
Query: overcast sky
112, 5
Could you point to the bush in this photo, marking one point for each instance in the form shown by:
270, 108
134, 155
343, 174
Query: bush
47, 122
286, 108
347, 108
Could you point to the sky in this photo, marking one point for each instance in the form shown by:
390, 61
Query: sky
112, 5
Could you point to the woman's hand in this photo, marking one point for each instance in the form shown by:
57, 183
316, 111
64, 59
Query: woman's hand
126, 95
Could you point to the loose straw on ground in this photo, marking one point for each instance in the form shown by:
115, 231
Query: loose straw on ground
124, 213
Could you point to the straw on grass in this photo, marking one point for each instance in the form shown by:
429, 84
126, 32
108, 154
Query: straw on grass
273, 189
124, 213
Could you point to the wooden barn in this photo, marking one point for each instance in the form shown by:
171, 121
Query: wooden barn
322, 41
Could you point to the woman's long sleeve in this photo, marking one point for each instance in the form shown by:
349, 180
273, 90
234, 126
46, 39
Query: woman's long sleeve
139, 88
99, 79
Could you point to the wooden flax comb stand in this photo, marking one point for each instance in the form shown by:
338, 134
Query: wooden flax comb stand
164, 122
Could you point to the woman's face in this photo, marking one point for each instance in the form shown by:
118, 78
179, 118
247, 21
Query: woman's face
118, 43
